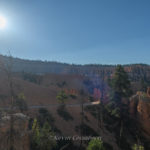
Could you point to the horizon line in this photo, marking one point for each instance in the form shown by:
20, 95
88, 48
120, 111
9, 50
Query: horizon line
86, 64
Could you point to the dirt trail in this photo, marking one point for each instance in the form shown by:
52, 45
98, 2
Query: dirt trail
56, 105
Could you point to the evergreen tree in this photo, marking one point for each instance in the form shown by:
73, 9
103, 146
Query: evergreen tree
95, 144
47, 138
35, 142
120, 84
62, 97
21, 102
42, 138
144, 85
121, 88
137, 147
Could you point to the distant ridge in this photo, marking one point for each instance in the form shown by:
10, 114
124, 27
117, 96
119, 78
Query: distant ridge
44, 67
41, 67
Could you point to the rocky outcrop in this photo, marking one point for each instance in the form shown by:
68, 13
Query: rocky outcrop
140, 110
20, 131
148, 91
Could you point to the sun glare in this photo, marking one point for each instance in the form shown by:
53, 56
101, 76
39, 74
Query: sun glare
2, 22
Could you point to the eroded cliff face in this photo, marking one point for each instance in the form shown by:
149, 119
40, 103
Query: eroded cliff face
20, 133
140, 111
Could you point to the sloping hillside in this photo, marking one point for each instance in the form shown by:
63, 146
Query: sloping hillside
46, 91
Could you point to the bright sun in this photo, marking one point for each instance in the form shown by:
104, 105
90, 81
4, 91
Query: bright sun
2, 22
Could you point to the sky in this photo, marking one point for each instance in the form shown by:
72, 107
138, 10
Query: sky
77, 31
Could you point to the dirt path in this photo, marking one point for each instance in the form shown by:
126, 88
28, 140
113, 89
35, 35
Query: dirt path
56, 105
67, 105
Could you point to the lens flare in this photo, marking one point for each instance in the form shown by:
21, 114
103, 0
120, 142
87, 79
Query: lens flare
2, 22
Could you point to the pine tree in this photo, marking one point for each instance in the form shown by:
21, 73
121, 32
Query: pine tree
95, 144
35, 135
137, 147
42, 138
62, 97
47, 138
120, 88
120, 84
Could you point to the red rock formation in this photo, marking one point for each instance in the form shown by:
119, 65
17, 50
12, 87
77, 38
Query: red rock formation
96, 93
148, 91
140, 110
